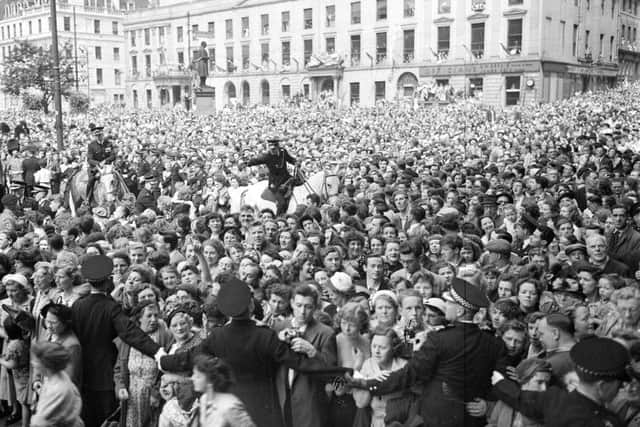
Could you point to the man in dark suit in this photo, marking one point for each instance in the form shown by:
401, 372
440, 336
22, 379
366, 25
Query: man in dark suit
303, 397
97, 320
254, 353
455, 364
146, 198
30, 165
598, 256
624, 243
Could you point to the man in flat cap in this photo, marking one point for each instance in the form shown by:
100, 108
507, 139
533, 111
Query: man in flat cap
280, 180
100, 152
97, 320
455, 363
601, 365
255, 353
146, 198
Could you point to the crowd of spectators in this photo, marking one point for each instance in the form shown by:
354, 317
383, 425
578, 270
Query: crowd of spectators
539, 209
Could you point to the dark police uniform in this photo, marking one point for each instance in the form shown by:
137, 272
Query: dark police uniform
594, 359
96, 154
97, 320
278, 172
146, 199
254, 353
455, 365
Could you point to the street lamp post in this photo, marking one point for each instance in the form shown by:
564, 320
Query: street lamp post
56, 74
75, 47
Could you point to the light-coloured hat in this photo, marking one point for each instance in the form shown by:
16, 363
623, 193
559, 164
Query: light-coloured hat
100, 212
341, 282
18, 278
384, 292
437, 303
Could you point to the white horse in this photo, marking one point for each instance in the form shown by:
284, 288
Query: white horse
322, 183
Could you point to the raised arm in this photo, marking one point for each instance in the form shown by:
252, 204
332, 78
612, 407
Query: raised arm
289, 158
258, 160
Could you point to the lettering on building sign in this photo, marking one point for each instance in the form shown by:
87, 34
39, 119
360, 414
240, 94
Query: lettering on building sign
488, 68
478, 5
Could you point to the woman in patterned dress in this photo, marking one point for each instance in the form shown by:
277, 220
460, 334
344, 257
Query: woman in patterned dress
18, 297
180, 322
136, 376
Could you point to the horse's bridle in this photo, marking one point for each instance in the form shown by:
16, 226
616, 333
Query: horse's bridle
324, 190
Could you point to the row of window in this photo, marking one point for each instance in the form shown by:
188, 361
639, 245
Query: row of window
98, 53
475, 85
629, 33
66, 26
514, 43
630, 6
7, 33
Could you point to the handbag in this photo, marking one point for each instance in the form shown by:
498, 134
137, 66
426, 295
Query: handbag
117, 418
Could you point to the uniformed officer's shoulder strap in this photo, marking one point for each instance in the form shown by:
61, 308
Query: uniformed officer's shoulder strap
447, 328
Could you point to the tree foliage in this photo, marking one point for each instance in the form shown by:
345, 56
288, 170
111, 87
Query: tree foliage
30, 66
32, 98
79, 102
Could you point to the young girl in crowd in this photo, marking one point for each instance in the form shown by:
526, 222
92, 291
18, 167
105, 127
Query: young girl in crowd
217, 407
16, 358
384, 358
59, 401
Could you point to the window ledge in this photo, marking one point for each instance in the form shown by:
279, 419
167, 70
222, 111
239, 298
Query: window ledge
478, 17
443, 20
514, 12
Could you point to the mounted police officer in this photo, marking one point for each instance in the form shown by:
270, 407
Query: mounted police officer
100, 152
280, 180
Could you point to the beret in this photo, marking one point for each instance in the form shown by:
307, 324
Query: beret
575, 247
500, 246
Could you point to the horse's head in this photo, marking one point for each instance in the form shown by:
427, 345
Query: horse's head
332, 185
108, 185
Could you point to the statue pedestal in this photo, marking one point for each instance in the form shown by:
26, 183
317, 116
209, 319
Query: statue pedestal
205, 101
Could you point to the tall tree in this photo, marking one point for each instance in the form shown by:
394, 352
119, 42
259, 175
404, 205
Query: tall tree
30, 66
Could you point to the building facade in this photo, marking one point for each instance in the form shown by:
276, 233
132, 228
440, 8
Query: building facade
503, 52
506, 52
94, 31
629, 48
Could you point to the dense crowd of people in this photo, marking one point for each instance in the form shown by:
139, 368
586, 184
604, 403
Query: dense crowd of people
472, 268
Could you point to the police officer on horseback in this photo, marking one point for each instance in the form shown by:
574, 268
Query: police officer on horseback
100, 152
281, 182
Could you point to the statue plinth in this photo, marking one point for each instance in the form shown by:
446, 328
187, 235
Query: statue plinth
205, 101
